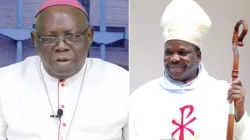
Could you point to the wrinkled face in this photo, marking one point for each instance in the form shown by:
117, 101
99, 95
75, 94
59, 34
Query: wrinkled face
66, 57
181, 60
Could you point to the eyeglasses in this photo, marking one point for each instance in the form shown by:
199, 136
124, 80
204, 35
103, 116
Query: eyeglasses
71, 39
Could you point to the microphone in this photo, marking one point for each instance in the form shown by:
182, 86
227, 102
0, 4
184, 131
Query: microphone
59, 114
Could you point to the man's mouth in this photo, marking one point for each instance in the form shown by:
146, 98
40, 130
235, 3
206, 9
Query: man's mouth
176, 66
176, 69
62, 59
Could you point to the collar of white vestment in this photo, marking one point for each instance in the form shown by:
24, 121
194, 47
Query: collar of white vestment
170, 84
73, 78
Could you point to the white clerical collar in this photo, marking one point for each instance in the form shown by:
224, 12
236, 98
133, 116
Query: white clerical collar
49, 77
170, 84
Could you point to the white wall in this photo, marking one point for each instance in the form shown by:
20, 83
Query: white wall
146, 43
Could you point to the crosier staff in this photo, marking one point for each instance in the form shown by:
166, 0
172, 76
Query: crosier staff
237, 41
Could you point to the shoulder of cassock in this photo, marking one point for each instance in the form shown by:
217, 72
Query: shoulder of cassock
16, 73
145, 90
218, 84
150, 88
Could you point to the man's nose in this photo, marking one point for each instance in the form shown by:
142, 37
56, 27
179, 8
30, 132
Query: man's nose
61, 45
175, 58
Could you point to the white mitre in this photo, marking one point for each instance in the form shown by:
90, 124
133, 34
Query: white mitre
185, 20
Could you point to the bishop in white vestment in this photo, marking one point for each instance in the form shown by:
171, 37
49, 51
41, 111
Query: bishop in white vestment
61, 94
186, 103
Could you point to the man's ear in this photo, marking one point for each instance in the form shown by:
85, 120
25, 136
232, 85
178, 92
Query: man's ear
90, 35
33, 37
199, 56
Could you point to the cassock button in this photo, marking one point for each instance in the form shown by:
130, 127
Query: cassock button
62, 106
64, 124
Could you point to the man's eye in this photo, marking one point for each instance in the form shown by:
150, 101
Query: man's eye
168, 53
48, 39
183, 53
